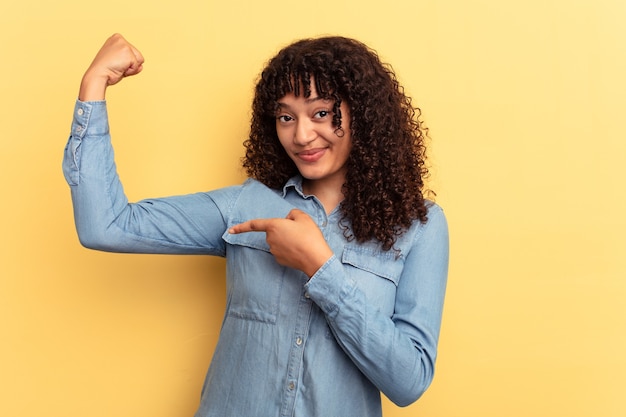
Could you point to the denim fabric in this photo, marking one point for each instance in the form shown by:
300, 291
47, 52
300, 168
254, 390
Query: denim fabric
367, 321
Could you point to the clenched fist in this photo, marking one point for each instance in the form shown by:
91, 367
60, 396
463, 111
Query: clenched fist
116, 59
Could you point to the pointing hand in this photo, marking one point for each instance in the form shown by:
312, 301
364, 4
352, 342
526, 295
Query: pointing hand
295, 241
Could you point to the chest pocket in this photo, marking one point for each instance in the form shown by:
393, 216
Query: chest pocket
254, 278
376, 273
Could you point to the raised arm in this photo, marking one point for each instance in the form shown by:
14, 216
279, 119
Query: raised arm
104, 218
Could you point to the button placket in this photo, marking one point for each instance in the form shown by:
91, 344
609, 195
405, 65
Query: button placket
296, 353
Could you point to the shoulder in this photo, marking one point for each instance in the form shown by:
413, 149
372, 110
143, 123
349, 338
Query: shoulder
436, 213
248, 189
433, 230
436, 223
251, 200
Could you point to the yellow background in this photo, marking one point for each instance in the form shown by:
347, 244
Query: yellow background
525, 103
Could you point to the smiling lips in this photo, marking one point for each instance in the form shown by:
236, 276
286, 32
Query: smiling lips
311, 155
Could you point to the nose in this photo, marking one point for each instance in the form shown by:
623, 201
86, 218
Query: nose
305, 132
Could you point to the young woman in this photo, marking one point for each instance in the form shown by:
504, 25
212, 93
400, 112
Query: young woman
336, 263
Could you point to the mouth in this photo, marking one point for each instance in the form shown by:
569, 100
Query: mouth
311, 155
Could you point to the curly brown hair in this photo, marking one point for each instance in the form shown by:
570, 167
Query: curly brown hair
384, 187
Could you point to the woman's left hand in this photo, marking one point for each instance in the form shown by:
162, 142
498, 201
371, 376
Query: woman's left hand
295, 241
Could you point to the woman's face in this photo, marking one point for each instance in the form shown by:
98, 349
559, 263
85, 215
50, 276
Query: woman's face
304, 127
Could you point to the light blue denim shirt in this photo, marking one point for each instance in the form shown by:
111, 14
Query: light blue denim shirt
367, 321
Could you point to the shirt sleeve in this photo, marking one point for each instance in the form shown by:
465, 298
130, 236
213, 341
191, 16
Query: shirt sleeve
104, 218
396, 353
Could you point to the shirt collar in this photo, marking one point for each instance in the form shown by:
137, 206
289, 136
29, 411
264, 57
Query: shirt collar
294, 183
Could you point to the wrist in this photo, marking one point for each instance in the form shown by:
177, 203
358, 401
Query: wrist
92, 87
318, 261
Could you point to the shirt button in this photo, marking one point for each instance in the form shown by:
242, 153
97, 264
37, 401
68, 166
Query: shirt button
298, 341
306, 295
79, 129
291, 386
80, 112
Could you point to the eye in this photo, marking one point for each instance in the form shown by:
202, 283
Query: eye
284, 118
321, 114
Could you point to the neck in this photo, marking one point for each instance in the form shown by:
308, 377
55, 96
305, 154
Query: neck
329, 195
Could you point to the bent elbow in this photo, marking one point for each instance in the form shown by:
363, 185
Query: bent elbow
88, 243
408, 396
91, 238
411, 391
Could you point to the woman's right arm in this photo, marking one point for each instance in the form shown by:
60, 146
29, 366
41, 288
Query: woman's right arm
105, 220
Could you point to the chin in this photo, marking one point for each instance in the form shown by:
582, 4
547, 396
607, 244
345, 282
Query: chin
311, 176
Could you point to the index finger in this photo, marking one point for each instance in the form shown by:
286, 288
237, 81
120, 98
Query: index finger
255, 225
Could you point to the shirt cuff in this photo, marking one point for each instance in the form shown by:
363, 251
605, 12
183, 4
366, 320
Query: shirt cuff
329, 287
90, 118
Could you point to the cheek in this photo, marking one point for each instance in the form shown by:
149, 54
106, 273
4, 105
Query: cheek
282, 137
346, 146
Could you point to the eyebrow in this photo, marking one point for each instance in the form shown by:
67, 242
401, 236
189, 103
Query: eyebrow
307, 101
